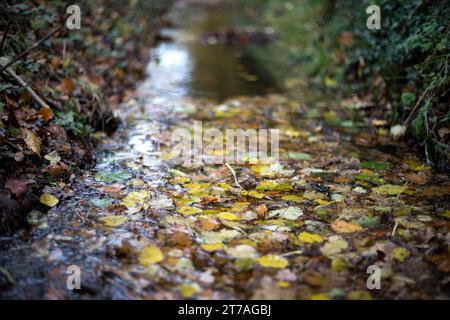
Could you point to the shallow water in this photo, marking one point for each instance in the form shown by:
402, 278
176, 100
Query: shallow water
328, 172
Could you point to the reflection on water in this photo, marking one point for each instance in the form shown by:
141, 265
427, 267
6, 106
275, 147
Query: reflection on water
187, 66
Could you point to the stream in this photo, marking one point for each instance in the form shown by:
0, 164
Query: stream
139, 226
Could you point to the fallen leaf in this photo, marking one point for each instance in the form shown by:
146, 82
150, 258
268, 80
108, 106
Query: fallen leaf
150, 255
113, 221
32, 141
307, 237
342, 226
272, 261
289, 213
400, 254
48, 200
229, 216
187, 210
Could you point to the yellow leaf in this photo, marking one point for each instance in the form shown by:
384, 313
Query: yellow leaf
283, 284
150, 255
188, 290
338, 265
272, 261
32, 141
212, 246
133, 199
342, 226
187, 210
229, 216
292, 198
400, 254
319, 296
323, 202
446, 214
390, 189
113, 221
197, 189
307, 237
48, 200
254, 194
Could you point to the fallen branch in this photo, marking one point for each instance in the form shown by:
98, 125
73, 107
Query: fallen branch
27, 87
2, 44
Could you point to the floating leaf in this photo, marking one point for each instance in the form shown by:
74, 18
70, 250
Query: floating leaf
272, 261
299, 156
188, 290
110, 177
135, 198
342, 226
400, 254
254, 194
292, 197
333, 246
373, 165
390, 189
102, 203
48, 200
307, 237
187, 210
212, 246
229, 216
290, 213
150, 255
113, 221
161, 203
242, 251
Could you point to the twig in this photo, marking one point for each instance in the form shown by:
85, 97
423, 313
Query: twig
2, 44
26, 51
415, 107
395, 228
26, 86
234, 175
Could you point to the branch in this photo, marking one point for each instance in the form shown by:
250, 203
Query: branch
2, 44
23, 53
26, 86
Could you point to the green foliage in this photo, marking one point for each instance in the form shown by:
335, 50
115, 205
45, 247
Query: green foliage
406, 59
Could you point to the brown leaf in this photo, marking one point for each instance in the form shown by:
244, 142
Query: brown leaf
66, 86
18, 186
32, 141
46, 113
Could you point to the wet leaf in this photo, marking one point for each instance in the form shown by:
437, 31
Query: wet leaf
32, 141
400, 254
102, 202
113, 221
389, 189
333, 246
110, 177
187, 210
342, 226
150, 255
188, 290
229, 216
210, 247
290, 213
272, 261
242, 252
373, 165
48, 199
307, 237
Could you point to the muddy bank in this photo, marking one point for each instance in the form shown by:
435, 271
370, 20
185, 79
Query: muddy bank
78, 76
